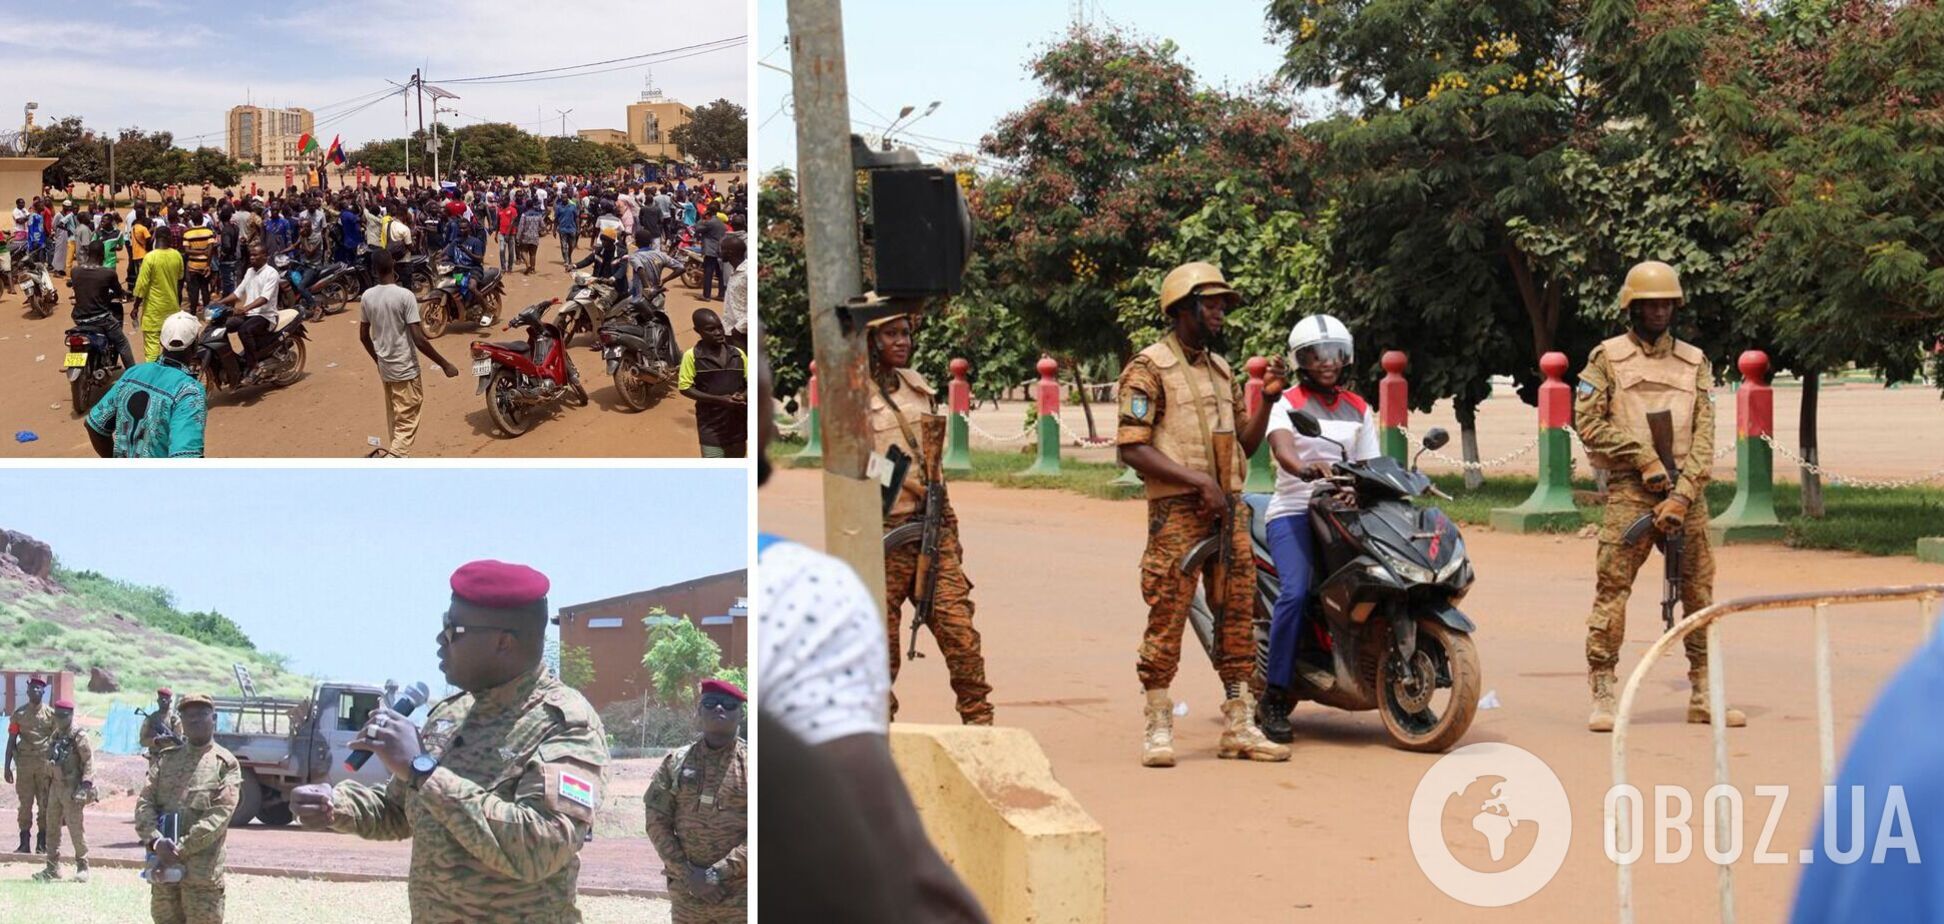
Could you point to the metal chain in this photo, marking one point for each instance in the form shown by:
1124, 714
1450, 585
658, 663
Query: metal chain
1835, 478
1021, 437
792, 428
1472, 466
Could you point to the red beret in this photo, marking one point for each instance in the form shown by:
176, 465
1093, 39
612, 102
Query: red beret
724, 687
499, 585
67, 704
163, 691
37, 680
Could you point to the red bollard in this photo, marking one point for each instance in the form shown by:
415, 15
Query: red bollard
958, 424
1048, 462
1262, 478
1394, 407
1750, 517
812, 452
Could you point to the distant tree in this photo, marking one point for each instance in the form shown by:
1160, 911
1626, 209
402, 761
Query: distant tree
785, 318
680, 656
499, 149
576, 666
386, 156
715, 134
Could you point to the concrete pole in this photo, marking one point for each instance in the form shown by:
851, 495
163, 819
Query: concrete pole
826, 187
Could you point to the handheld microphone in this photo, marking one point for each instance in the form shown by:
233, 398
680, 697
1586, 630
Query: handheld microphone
408, 701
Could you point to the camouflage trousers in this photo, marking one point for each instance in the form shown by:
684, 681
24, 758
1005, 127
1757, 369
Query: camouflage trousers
1618, 563
951, 620
64, 811
1176, 525
685, 910
31, 777
186, 903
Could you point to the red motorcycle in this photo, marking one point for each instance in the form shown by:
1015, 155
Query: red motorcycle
523, 380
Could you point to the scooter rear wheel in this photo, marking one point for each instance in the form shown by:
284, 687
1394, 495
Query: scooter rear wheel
291, 372
510, 418
433, 315
1408, 700
634, 392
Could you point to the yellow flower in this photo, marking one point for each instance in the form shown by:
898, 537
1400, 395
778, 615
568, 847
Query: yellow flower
1305, 29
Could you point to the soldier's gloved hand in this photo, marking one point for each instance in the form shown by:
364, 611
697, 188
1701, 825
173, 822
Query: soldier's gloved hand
1670, 514
1653, 476
312, 803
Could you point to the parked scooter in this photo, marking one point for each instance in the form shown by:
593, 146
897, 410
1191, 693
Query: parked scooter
523, 380
36, 285
443, 307
638, 346
219, 352
1382, 629
92, 361
590, 301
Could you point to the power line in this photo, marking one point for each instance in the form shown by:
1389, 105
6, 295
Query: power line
732, 42
605, 70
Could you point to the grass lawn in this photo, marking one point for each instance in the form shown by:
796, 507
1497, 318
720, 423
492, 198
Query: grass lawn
1858, 520
118, 896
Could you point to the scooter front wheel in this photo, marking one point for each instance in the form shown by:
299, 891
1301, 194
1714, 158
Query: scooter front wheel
1428, 701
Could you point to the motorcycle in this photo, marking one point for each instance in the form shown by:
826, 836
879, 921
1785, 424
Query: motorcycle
1382, 629
638, 346
520, 380
219, 352
442, 307
415, 272
295, 278
92, 361
336, 285
36, 285
589, 303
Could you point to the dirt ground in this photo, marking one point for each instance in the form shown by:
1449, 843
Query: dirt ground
118, 896
1866, 430
619, 860
338, 402
1323, 837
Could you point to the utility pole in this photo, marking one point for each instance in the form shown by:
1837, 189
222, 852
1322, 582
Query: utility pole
853, 526
563, 121
418, 81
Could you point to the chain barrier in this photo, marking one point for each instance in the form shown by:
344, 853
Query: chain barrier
792, 428
1409, 437
1836, 478
1020, 437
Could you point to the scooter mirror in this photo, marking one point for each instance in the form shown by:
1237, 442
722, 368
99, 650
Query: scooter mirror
1305, 424
1437, 438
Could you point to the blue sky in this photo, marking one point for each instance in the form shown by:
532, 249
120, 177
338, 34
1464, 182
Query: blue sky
178, 65
345, 570
973, 59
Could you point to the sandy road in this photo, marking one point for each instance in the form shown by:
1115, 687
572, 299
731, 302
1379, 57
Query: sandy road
338, 402
1323, 837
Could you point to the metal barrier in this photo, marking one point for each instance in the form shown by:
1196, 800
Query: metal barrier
1708, 619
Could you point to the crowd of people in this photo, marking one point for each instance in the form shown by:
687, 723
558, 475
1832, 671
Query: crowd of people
218, 250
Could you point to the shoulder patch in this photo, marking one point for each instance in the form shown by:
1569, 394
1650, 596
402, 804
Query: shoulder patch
1586, 389
1137, 405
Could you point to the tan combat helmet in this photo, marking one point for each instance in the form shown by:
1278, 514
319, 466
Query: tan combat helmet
1189, 279
1650, 279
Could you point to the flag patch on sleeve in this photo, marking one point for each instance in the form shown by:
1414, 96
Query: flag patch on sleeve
577, 789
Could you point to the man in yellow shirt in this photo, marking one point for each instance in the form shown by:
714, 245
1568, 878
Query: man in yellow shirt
139, 236
155, 291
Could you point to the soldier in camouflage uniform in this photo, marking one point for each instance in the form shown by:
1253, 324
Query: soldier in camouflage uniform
902, 415
200, 782
1178, 401
1643, 370
499, 790
698, 814
26, 761
163, 727
70, 786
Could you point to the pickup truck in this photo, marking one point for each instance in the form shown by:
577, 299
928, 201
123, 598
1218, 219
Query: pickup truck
286, 743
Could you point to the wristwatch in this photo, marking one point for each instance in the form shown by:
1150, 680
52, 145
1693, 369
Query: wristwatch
422, 767
712, 876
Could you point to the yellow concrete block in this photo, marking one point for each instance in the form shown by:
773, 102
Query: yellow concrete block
1018, 838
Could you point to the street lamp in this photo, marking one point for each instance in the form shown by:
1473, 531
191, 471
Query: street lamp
902, 113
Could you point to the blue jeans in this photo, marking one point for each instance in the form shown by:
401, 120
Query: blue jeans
506, 251
1293, 548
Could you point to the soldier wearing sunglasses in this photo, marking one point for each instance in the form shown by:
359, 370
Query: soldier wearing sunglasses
698, 814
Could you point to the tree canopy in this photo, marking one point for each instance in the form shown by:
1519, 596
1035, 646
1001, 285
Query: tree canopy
715, 135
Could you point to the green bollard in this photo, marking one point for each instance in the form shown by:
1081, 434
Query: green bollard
1551, 503
1393, 409
1048, 462
1750, 517
958, 430
811, 455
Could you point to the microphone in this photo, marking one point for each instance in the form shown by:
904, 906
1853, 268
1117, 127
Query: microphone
408, 701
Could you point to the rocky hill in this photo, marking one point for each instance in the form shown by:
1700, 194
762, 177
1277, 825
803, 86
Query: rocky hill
121, 640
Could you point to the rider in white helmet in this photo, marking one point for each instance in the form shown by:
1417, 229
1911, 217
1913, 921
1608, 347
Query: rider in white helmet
1321, 350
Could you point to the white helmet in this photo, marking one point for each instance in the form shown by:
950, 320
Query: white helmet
179, 331
1320, 334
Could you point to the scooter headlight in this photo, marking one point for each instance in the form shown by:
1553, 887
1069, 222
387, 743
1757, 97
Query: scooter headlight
1451, 568
1409, 571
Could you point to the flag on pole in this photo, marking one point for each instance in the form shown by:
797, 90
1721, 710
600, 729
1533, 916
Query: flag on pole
336, 151
306, 144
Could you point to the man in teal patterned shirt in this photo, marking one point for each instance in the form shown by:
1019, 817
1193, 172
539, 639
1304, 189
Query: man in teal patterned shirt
155, 410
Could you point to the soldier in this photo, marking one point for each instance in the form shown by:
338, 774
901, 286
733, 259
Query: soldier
163, 727
27, 731
499, 790
199, 781
1647, 369
1178, 403
902, 415
698, 814
70, 786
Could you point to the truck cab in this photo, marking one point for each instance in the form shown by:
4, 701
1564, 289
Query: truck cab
285, 743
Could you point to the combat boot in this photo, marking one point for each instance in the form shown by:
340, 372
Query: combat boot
1157, 749
1602, 683
51, 874
40, 841
26, 840
1241, 739
80, 871
1272, 716
1698, 703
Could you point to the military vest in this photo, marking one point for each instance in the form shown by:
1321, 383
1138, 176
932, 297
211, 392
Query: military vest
1196, 402
1642, 384
914, 402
